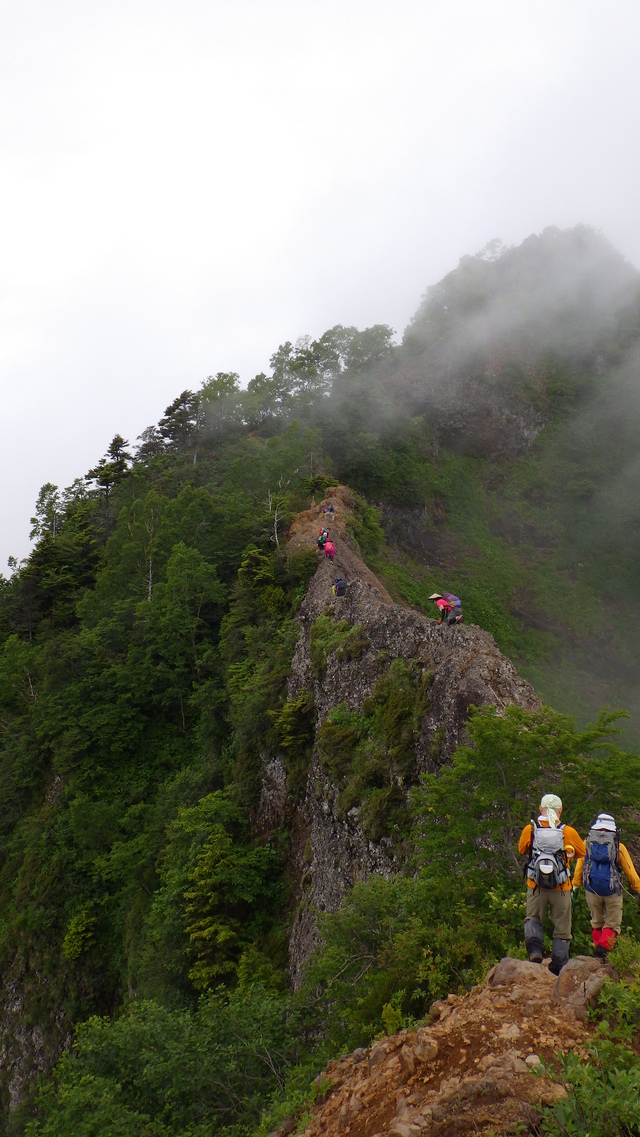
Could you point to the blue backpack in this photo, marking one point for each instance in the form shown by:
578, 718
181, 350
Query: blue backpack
601, 873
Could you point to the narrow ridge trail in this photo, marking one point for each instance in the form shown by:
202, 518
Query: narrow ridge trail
461, 666
467, 666
476, 1066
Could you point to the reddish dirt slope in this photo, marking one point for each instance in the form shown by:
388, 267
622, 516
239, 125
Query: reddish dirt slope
303, 532
473, 1068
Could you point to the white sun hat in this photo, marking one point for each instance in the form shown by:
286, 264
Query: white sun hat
605, 821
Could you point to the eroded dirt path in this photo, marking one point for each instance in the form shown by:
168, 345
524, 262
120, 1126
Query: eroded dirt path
476, 1068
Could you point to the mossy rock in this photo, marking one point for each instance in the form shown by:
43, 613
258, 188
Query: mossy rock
370, 754
327, 635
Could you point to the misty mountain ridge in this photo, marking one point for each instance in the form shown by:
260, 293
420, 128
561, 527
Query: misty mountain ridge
201, 749
499, 440
566, 291
515, 417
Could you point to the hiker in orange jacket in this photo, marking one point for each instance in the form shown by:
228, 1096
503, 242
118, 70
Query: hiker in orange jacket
600, 871
549, 845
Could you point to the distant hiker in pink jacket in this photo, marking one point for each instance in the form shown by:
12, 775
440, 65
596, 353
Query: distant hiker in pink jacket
329, 550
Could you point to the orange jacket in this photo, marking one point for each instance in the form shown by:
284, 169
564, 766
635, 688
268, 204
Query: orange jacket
573, 844
626, 864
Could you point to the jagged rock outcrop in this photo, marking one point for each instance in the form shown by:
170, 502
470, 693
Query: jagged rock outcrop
474, 1067
25, 1049
465, 668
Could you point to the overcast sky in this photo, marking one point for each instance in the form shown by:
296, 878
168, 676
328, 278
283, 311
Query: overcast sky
186, 184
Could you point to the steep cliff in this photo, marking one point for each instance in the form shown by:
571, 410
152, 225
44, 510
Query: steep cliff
458, 667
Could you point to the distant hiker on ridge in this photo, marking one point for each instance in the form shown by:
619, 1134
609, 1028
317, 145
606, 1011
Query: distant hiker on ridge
339, 588
449, 605
329, 549
600, 871
549, 846
322, 538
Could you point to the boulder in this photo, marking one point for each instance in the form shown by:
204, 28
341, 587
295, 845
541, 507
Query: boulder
516, 971
404, 1128
377, 1055
552, 1094
579, 985
425, 1047
577, 972
437, 1009
407, 1060
510, 1031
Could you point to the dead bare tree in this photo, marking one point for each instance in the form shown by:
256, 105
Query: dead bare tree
277, 518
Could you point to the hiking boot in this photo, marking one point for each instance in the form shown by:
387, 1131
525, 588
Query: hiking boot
600, 952
559, 955
535, 957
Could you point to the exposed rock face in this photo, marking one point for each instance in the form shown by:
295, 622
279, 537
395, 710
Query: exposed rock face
471, 1070
482, 416
24, 1049
466, 667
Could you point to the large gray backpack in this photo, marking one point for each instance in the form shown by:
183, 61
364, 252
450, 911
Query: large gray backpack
547, 866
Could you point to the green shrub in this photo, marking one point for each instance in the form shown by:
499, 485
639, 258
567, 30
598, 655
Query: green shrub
365, 528
292, 731
604, 1096
327, 635
604, 1089
625, 956
370, 754
155, 1072
405, 942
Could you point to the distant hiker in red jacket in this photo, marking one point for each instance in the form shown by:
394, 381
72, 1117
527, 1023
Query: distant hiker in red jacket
449, 606
329, 549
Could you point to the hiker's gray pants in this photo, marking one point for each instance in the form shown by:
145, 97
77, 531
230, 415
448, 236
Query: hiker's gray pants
559, 905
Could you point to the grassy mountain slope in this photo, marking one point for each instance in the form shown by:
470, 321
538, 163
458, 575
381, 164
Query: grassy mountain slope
513, 478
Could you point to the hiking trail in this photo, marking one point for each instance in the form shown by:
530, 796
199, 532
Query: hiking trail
475, 1066
462, 665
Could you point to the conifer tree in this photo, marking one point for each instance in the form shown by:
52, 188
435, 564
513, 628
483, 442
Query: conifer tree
109, 471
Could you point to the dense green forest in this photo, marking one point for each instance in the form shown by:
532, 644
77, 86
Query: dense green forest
146, 644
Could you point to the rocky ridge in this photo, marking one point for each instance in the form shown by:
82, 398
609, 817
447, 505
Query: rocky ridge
464, 668
483, 1063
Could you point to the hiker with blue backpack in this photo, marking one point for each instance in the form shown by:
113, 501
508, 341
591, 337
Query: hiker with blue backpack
600, 872
549, 845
